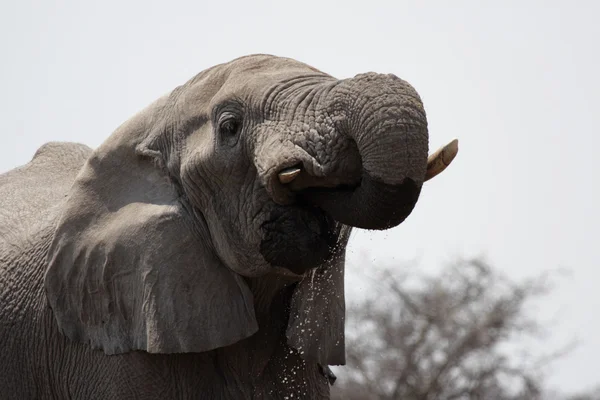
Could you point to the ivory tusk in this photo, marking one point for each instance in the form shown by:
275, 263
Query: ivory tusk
440, 159
289, 174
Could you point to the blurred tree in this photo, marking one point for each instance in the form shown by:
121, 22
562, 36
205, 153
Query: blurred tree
445, 337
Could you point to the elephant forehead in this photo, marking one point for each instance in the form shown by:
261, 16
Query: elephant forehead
269, 67
268, 87
252, 76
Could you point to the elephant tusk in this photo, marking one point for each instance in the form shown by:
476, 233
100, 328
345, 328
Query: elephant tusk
289, 174
440, 159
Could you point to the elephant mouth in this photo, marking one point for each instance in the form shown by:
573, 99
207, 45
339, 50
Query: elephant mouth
298, 237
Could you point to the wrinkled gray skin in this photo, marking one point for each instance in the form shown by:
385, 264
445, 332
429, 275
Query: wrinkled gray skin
171, 263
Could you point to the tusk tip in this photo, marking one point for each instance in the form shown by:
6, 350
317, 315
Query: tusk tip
449, 152
440, 159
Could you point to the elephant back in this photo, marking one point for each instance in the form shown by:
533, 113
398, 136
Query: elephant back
30, 195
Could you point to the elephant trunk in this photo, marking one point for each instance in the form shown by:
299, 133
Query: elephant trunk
385, 118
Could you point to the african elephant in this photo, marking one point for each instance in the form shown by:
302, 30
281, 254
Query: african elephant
199, 251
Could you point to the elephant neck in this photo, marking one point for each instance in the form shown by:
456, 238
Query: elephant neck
267, 348
271, 293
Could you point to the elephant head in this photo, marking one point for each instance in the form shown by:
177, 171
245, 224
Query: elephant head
256, 167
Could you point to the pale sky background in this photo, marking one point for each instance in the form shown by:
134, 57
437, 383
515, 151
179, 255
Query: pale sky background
517, 82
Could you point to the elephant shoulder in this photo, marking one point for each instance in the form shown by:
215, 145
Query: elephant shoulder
28, 194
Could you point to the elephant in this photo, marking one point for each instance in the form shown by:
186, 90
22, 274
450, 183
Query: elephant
198, 252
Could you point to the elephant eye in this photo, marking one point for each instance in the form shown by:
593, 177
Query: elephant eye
229, 125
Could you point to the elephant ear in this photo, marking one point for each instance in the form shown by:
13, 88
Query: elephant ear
317, 311
131, 267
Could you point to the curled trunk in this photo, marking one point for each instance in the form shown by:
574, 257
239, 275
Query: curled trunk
385, 117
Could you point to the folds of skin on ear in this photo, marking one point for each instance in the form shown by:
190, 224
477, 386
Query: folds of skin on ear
131, 269
317, 313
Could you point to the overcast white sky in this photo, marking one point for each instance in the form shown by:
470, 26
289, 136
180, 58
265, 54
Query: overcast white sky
517, 83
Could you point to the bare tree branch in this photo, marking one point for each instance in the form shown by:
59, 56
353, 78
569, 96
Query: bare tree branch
443, 337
